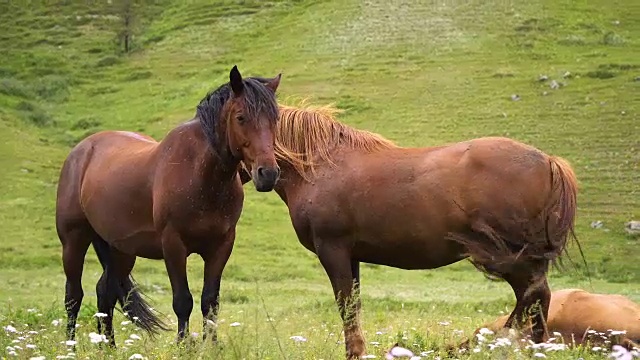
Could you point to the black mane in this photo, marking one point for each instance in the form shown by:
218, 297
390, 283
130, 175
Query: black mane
258, 99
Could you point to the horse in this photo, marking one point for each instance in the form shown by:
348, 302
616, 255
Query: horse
131, 196
354, 196
580, 316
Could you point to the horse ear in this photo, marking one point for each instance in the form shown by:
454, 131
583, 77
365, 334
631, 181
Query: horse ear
272, 84
235, 80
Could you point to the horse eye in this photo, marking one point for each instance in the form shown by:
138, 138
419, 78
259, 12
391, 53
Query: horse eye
241, 118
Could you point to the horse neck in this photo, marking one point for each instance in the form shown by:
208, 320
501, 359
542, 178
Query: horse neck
290, 182
215, 163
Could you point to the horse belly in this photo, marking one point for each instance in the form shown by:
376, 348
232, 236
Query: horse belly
409, 253
407, 230
143, 244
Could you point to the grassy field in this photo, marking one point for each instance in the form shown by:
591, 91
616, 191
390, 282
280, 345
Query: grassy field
419, 73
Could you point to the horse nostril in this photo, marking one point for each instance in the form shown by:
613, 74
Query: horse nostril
261, 171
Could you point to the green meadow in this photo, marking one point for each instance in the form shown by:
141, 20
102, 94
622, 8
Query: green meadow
563, 76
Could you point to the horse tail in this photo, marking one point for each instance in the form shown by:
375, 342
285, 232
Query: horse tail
129, 296
561, 210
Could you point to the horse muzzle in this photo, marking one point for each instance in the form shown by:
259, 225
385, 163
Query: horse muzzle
265, 178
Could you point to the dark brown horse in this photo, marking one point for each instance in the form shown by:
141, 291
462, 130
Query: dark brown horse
130, 196
354, 197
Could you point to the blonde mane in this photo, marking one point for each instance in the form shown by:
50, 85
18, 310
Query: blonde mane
310, 133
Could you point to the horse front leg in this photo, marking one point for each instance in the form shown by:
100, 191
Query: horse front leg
344, 274
175, 259
215, 259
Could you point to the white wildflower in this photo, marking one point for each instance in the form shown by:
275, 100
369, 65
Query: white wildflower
33, 332
37, 358
556, 334
12, 353
70, 342
426, 353
398, 351
539, 355
10, 329
125, 323
476, 350
485, 331
620, 353
211, 322
9, 348
378, 332
136, 356
298, 338
128, 342
31, 346
134, 337
235, 324
370, 356
444, 323
374, 343
16, 341
194, 334
31, 310
97, 338
481, 338
596, 348
55, 322
618, 332
556, 347
99, 315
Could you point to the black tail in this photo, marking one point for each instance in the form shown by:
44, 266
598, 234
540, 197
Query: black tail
130, 298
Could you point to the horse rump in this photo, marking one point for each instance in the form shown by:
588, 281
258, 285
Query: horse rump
496, 243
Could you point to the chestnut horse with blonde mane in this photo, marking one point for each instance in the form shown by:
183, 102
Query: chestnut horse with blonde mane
580, 317
130, 196
354, 197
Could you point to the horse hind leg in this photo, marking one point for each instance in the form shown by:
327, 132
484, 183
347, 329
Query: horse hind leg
107, 299
75, 239
533, 297
117, 286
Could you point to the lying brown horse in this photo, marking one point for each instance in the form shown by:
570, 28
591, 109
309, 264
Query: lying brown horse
354, 197
579, 316
130, 196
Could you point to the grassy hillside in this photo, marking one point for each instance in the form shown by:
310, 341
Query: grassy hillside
420, 74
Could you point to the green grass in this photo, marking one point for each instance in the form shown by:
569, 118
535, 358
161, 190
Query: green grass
419, 73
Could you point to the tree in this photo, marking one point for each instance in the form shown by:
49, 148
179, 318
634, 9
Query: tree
126, 11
